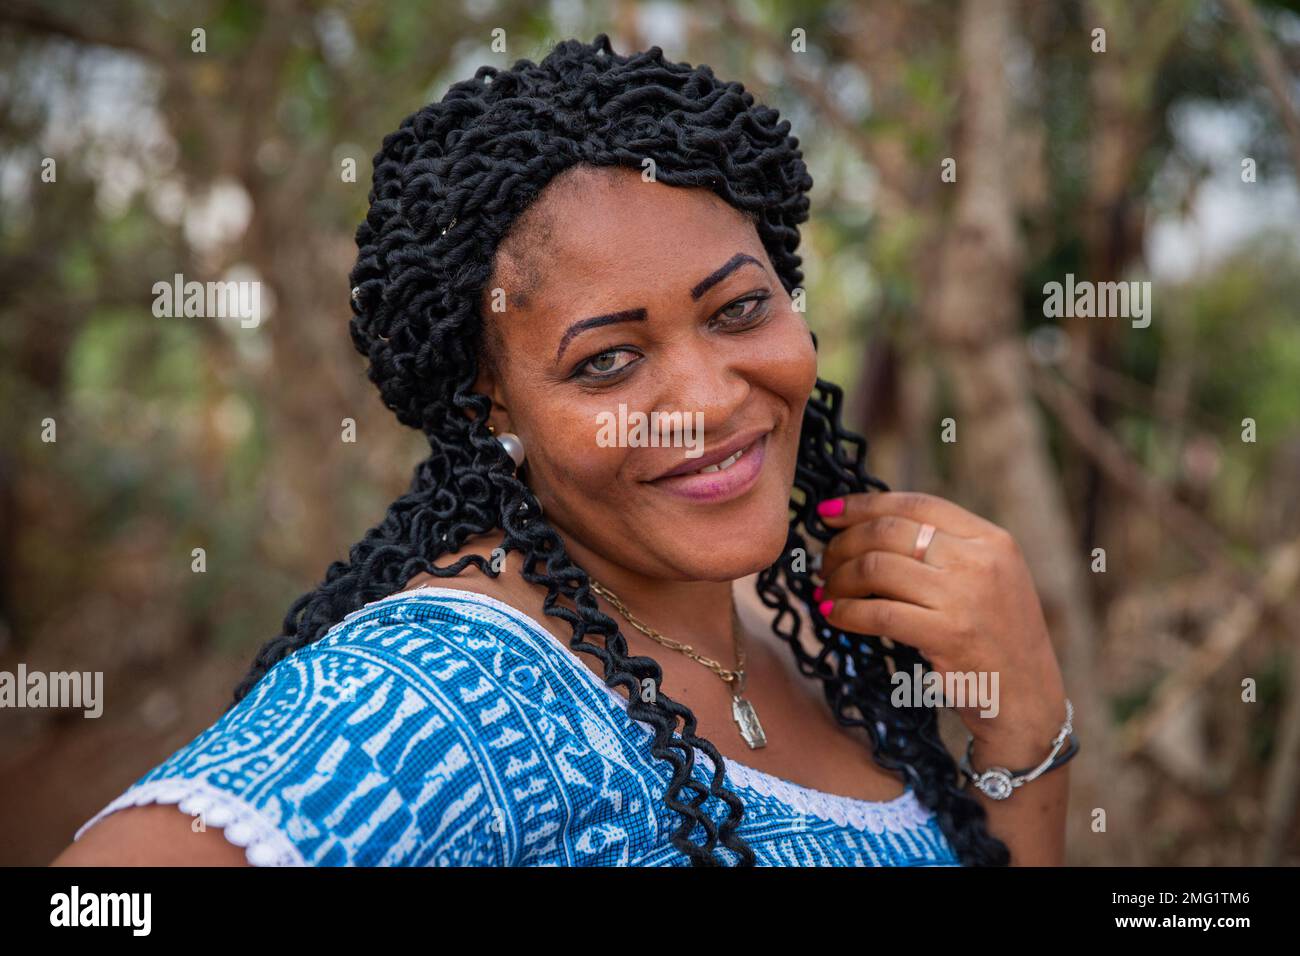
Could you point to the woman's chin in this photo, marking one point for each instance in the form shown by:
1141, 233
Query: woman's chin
733, 553
715, 542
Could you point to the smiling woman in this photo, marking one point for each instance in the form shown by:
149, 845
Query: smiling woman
460, 691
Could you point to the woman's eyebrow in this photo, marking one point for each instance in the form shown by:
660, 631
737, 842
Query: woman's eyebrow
639, 315
627, 315
713, 278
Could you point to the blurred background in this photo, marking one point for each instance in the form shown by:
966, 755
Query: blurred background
965, 155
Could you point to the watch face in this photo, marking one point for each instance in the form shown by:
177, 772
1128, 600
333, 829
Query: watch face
996, 783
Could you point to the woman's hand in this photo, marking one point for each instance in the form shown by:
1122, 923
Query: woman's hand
967, 603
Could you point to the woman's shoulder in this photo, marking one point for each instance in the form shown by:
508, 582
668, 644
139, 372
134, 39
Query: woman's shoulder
434, 726
410, 624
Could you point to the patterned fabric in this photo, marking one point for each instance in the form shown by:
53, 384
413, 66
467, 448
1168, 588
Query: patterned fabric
442, 727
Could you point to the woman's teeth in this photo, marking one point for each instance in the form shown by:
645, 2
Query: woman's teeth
722, 465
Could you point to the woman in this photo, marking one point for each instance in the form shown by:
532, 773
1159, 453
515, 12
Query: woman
551, 250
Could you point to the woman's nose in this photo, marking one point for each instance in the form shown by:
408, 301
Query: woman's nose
703, 379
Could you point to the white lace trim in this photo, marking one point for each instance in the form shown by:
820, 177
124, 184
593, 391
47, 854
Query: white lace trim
242, 824
904, 812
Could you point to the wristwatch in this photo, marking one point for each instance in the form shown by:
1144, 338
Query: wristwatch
997, 783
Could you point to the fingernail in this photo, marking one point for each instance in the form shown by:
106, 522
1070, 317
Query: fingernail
829, 509
825, 608
818, 592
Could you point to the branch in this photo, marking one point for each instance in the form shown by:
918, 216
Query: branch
1257, 599
816, 91
1270, 66
33, 19
1227, 635
1088, 433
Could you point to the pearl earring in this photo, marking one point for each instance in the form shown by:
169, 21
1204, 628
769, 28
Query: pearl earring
513, 446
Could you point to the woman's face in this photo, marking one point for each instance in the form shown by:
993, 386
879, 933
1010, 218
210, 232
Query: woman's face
618, 299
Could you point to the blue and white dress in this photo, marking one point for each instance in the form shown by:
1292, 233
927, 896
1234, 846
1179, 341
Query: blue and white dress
440, 727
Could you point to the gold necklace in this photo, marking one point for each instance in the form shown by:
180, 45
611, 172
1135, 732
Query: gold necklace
742, 711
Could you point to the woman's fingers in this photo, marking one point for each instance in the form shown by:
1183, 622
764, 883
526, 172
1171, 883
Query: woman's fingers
886, 533
886, 574
922, 509
874, 582
900, 621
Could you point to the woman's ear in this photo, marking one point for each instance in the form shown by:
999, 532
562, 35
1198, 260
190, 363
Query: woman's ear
488, 383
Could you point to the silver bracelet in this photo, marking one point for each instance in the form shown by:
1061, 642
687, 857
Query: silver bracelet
998, 782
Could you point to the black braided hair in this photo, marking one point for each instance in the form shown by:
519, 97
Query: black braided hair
448, 186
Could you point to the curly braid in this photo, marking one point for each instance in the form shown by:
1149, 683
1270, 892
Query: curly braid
448, 186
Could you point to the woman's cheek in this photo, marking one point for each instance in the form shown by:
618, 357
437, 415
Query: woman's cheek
791, 360
574, 464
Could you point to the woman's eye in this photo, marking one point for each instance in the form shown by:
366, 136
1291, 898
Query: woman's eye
606, 363
743, 309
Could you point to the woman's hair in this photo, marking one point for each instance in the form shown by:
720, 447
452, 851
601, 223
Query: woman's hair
448, 185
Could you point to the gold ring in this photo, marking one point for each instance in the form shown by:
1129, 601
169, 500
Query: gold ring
923, 539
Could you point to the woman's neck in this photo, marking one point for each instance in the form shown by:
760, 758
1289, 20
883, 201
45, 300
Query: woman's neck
698, 613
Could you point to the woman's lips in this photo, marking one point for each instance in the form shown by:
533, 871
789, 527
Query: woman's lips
722, 485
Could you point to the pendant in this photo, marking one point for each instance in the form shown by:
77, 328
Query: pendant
742, 711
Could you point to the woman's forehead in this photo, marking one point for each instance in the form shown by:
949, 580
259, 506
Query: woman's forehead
610, 227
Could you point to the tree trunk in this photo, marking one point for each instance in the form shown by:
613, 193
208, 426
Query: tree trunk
972, 319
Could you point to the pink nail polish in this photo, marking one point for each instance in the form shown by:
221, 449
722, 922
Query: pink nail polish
825, 608
818, 592
829, 509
